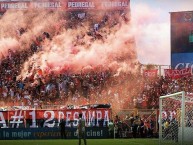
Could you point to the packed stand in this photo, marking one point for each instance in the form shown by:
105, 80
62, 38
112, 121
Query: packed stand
35, 90
126, 90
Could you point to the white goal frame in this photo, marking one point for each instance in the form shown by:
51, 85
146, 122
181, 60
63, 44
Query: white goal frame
181, 139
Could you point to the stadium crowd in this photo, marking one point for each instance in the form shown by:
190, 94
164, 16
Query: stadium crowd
126, 90
132, 90
36, 89
98, 85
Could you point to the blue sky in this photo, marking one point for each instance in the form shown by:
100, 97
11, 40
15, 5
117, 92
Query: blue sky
151, 20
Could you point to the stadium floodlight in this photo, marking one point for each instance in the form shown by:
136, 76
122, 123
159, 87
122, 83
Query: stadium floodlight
176, 119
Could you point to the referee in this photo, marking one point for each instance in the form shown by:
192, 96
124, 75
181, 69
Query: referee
81, 129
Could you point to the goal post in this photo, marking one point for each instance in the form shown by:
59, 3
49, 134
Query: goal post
176, 119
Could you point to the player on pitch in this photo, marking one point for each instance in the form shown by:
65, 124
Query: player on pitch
81, 129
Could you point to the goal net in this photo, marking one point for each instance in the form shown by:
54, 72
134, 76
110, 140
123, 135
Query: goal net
176, 119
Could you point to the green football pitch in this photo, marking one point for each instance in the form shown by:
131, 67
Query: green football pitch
90, 142
75, 142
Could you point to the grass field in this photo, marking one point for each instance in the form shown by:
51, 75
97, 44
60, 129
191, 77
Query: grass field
91, 142
75, 142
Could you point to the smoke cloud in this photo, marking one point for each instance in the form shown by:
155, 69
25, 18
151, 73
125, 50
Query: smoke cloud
64, 50
152, 35
72, 49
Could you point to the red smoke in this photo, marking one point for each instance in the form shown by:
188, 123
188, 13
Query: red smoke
62, 52
114, 47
